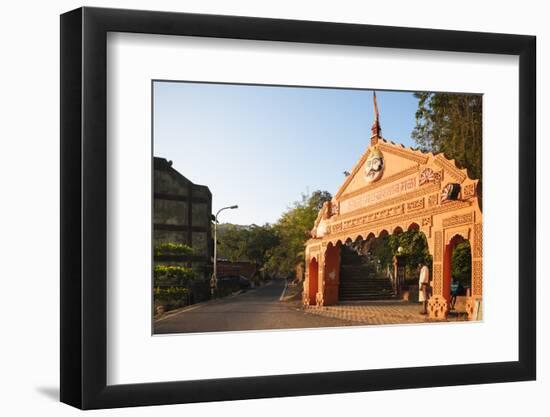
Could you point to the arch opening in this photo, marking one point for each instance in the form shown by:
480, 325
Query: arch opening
457, 272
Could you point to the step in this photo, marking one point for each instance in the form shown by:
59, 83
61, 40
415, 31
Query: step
364, 292
365, 298
365, 285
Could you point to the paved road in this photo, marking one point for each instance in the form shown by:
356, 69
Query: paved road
257, 309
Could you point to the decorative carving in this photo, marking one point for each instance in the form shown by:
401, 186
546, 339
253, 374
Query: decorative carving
382, 214
468, 191
372, 197
427, 221
415, 205
383, 222
433, 200
325, 210
438, 245
428, 176
438, 308
437, 278
379, 183
478, 240
458, 219
450, 168
394, 200
334, 208
374, 166
477, 277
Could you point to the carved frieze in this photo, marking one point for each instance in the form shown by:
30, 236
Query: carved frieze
458, 220
415, 204
371, 217
383, 193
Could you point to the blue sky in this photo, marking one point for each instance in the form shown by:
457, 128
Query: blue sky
261, 147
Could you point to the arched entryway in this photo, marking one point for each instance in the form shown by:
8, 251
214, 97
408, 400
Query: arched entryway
457, 264
410, 199
313, 280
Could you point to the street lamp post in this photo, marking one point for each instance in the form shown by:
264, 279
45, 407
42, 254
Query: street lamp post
214, 280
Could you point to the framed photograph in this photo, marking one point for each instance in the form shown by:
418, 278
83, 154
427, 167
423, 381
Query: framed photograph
256, 208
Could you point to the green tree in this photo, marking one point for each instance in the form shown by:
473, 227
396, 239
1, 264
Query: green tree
246, 243
232, 240
451, 123
293, 230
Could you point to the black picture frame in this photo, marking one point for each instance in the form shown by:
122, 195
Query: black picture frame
84, 207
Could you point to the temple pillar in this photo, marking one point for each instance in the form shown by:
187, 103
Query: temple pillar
331, 275
473, 303
305, 289
311, 283
438, 304
319, 297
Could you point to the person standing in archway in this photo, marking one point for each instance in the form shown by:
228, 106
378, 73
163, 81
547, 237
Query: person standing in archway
423, 283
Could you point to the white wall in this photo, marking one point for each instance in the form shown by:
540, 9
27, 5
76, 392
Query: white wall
29, 223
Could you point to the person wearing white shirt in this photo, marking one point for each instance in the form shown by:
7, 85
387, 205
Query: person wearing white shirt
423, 283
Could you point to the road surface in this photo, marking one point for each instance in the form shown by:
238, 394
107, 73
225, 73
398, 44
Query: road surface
257, 309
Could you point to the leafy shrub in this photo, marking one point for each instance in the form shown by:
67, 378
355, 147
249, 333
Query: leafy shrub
169, 275
170, 293
170, 298
170, 248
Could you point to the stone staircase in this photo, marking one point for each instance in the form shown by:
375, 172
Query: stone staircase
358, 280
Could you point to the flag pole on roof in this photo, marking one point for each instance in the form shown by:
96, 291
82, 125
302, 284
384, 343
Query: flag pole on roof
375, 129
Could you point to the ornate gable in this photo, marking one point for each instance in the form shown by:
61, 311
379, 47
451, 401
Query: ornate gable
391, 184
397, 162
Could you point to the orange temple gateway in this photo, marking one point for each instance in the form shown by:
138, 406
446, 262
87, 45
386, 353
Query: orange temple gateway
392, 188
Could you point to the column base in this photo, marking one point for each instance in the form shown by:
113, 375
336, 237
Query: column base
473, 308
305, 297
438, 308
319, 301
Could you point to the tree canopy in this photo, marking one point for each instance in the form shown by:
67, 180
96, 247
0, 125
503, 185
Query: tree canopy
246, 243
451, 123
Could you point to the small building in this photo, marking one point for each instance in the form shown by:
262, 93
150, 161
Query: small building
182, 213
